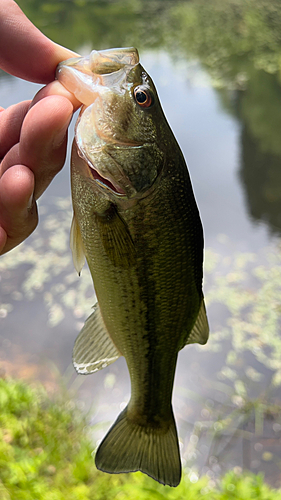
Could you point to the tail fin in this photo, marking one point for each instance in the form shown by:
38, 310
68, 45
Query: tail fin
129, 447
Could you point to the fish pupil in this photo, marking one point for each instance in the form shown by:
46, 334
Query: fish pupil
141, 96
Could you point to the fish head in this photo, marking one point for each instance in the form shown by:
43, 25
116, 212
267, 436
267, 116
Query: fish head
121, 130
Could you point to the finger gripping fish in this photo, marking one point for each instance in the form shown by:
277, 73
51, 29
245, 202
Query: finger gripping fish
136, 222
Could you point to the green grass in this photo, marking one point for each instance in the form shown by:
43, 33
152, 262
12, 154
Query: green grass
46, 453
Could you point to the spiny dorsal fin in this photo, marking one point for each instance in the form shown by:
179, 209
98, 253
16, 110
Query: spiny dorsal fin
93, 348
76, 245
200, 331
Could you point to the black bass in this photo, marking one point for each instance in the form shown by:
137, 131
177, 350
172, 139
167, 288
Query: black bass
137, 223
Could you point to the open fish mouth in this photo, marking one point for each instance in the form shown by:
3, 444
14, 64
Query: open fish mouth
122, 163
87, 77
91, 79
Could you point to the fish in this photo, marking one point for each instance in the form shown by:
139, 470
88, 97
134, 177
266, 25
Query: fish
136, 222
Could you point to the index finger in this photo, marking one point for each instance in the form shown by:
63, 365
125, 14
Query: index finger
25, 51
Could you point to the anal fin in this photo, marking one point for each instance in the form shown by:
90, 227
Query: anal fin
93, 348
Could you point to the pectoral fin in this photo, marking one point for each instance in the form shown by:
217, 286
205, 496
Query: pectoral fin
76, 246
93, 348
200, 331
116, 238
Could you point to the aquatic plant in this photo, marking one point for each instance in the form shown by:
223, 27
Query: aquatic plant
244, 344
46, 453
49, 269
249, 286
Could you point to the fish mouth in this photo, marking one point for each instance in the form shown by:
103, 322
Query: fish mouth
89, 76
106, 171
93, 80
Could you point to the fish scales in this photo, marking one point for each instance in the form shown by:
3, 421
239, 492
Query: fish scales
150, 289
137, 222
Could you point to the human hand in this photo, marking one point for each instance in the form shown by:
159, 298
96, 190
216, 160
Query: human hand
33, 135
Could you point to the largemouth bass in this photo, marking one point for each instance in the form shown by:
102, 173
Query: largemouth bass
137, 223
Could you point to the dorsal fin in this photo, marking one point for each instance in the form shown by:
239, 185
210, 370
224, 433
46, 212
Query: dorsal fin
76, 245
93, 348
200, 331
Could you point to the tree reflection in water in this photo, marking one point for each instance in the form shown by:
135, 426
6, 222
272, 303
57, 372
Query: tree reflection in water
234, 417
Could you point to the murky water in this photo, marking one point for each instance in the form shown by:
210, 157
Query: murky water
227, 393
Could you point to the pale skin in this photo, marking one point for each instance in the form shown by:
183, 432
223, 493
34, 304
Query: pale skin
33, 134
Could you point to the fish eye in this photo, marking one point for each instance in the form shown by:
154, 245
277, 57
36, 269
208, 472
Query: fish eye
143, 97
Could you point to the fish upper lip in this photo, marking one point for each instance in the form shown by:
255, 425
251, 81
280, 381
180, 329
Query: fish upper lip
99, 71
102, 62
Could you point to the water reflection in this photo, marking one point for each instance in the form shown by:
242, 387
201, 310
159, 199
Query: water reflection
258, 109
227, 394
260, 172
238, 43
103, 24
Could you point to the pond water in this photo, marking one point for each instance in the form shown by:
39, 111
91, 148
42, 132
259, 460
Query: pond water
224, 108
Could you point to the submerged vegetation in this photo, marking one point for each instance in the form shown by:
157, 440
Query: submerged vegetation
241, 400
238, 43
46, 453
231, 38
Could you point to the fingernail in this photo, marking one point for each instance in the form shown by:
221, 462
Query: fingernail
60, 134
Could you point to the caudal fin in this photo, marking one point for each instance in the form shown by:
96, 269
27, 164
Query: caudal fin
129, 447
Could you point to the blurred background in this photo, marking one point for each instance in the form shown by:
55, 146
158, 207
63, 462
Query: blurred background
217, 67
